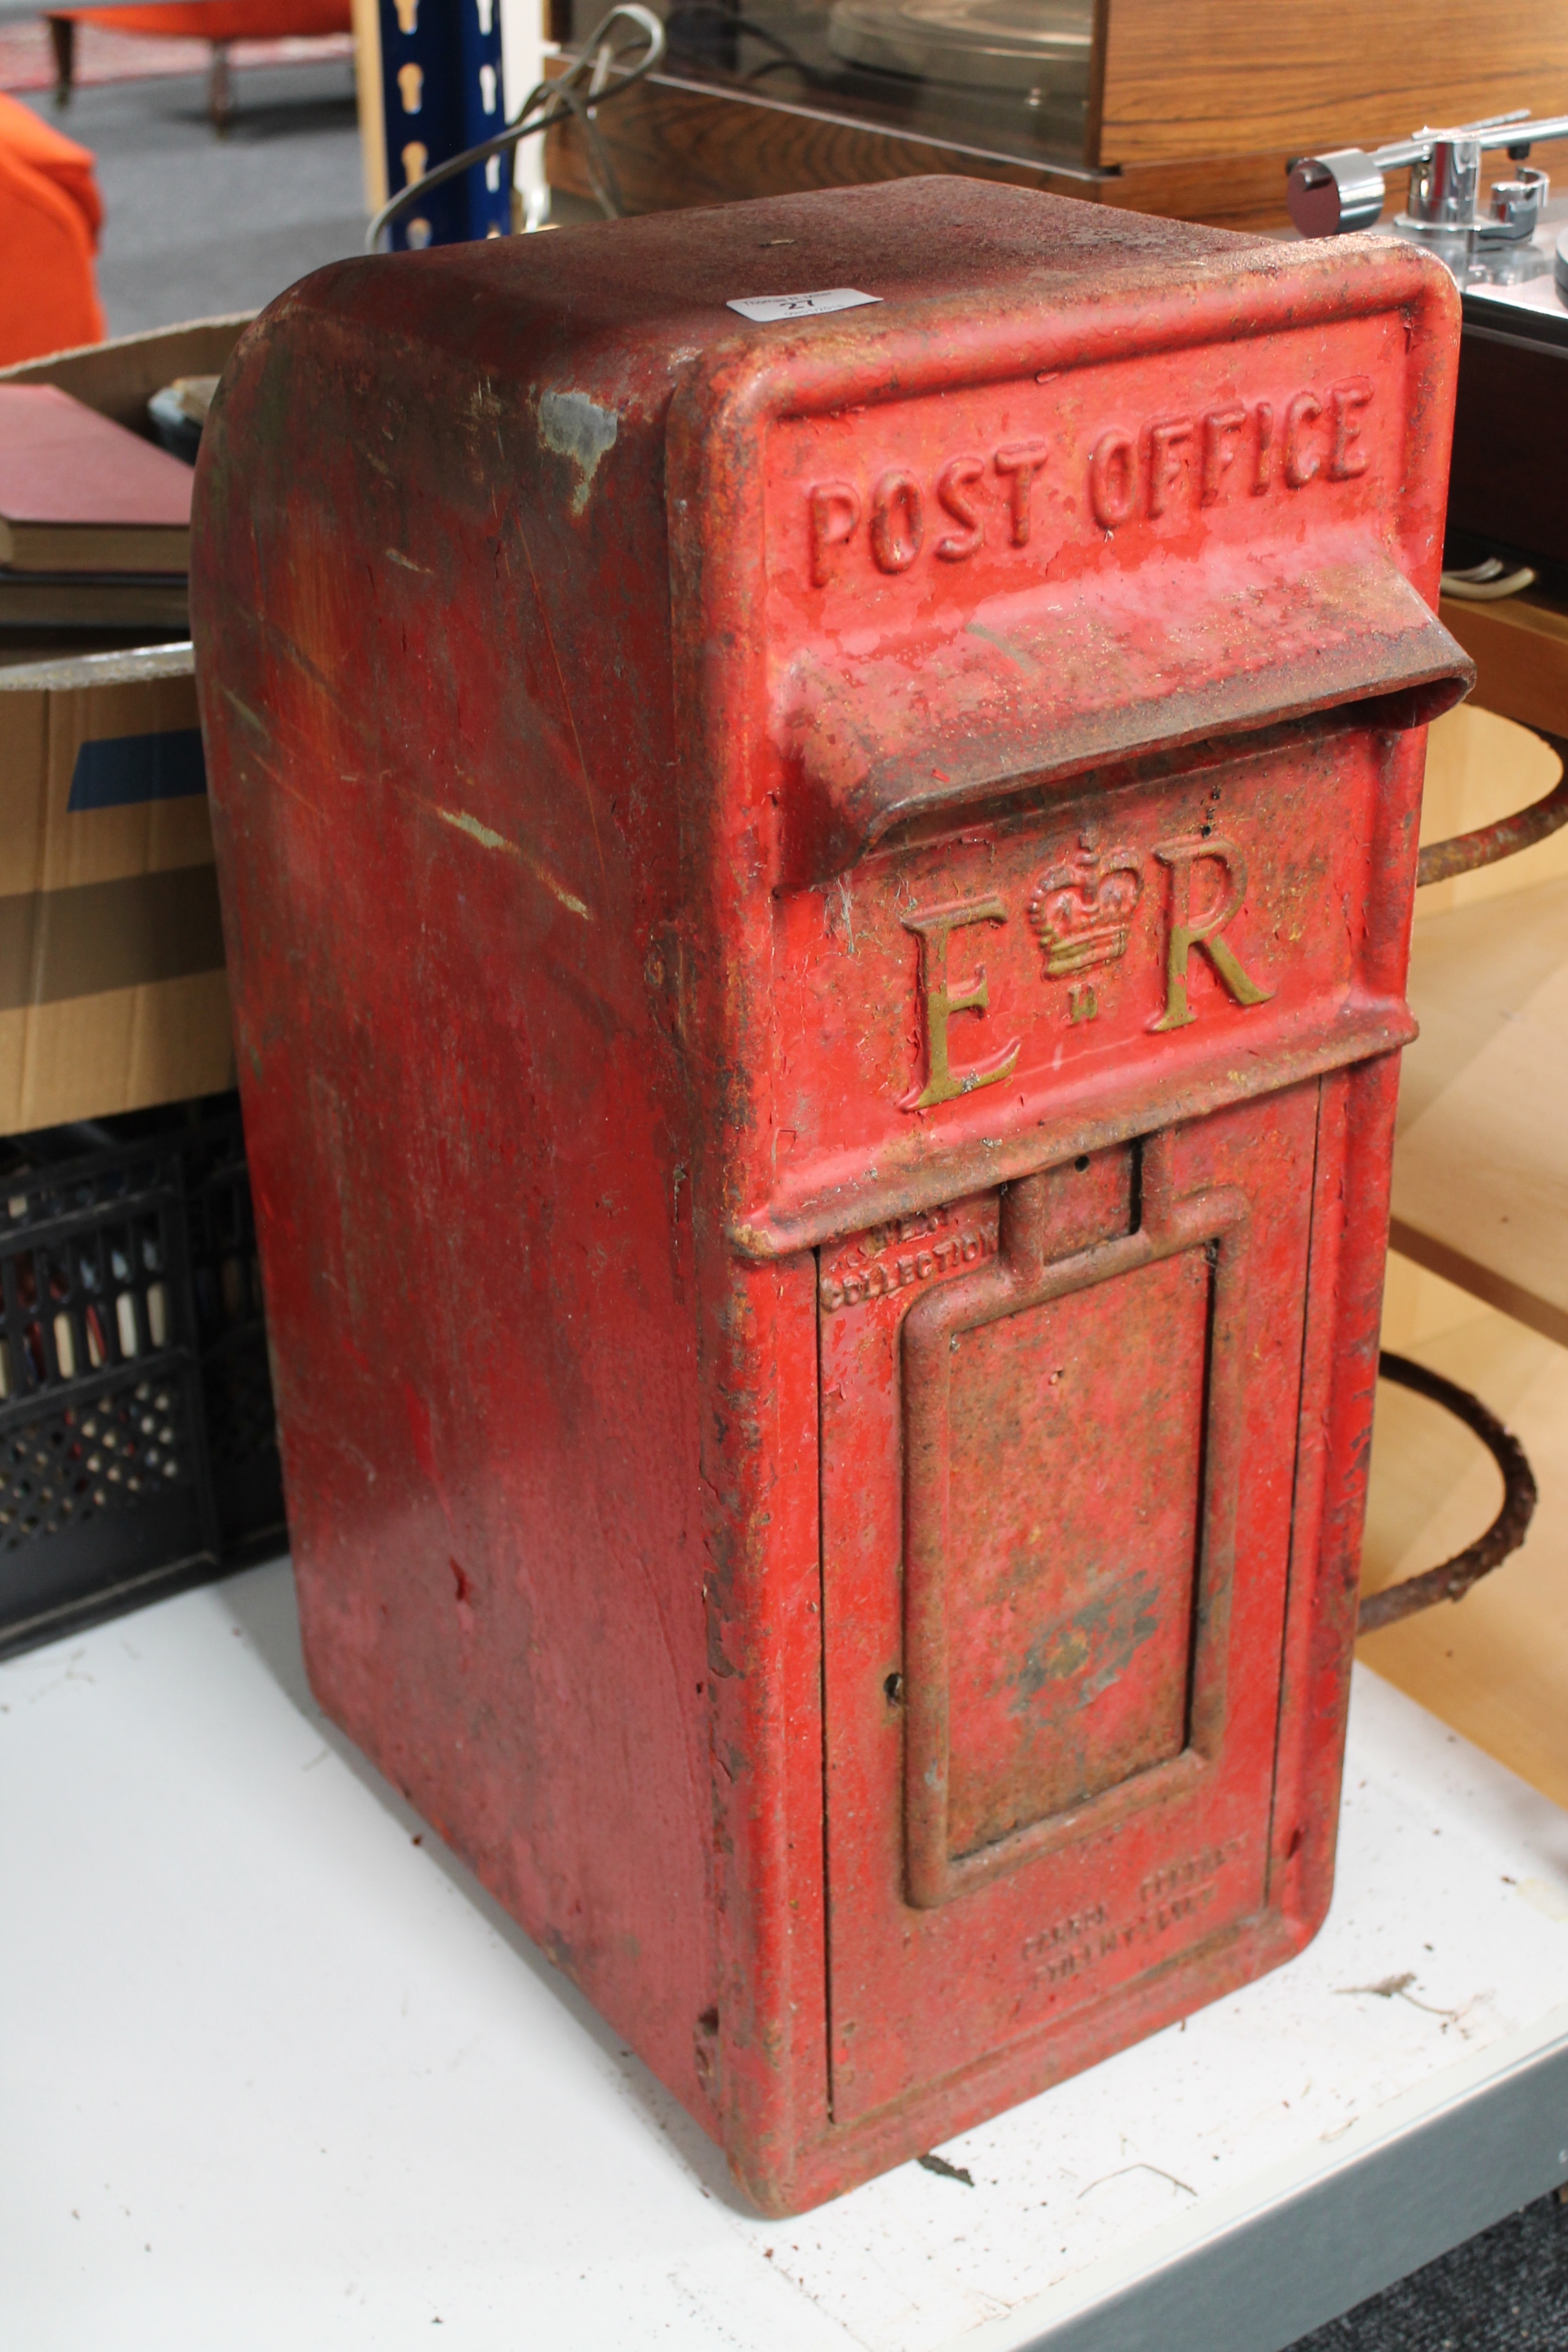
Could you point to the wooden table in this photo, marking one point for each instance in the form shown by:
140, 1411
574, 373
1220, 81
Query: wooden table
1480, 1288
1480, 1177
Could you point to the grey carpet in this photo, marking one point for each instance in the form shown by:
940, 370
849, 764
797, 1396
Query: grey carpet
196, 224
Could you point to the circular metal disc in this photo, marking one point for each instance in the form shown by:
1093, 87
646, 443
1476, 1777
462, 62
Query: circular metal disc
1012, 44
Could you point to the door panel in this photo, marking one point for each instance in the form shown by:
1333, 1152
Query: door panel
1058, 1430
1071, 1554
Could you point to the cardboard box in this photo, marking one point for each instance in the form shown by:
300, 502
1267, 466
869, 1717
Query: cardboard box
112, 990
119, 378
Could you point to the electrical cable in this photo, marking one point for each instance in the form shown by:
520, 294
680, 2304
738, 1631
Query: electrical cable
549, 103
1484, 583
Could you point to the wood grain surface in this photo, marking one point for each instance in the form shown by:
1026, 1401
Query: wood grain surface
1480, 1201
1480, 1168
672, 146
1214, 77
1495, 1667
1519, 647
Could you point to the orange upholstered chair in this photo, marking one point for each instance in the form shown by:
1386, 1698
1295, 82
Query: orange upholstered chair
217, 21
50, 214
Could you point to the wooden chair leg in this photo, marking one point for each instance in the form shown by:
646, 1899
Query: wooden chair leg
62, 40
220, 90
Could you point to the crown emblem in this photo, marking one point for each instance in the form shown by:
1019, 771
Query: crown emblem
1081, 911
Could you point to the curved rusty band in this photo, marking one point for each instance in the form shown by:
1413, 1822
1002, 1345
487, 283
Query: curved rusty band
1454, 1579
1463, 852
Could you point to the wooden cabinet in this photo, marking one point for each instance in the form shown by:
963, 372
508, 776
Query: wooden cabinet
1193, 110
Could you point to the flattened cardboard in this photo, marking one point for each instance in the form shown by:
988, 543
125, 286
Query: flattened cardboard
112, 991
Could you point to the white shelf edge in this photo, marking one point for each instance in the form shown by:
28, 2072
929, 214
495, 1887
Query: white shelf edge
1300, 2246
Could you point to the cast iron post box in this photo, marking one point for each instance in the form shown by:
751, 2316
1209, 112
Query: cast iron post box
818, 910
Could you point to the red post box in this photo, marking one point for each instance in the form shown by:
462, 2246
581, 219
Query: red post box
817, 909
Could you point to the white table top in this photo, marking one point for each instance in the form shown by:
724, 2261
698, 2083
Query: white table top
277, 2075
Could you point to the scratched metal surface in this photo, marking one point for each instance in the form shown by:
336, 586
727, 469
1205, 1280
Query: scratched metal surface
562, 639
276, 2074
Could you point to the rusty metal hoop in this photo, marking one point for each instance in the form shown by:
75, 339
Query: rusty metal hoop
1440, 861
1463, 852
1454, 1577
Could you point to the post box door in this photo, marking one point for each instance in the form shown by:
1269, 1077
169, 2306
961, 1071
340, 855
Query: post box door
1058, 1441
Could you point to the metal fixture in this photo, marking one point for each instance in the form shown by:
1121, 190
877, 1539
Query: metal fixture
1332, 194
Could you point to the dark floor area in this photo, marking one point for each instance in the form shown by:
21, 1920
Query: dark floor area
1506, 2290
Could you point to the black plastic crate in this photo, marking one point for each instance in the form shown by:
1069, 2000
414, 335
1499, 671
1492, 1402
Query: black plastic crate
138, 1446
231, 1338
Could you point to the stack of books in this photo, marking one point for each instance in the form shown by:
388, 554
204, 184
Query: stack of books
95, 523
